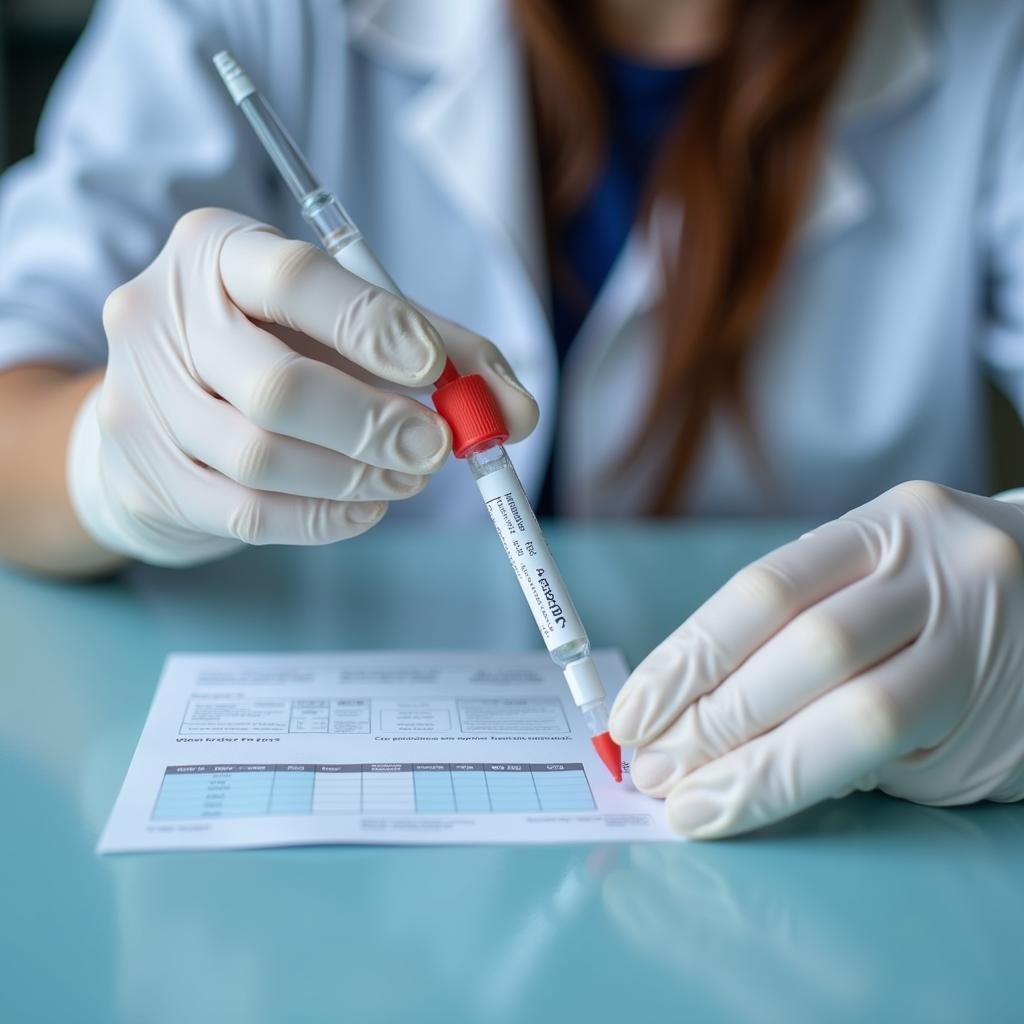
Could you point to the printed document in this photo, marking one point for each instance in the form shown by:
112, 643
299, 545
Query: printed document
245, 750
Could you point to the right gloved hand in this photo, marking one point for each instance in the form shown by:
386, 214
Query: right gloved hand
207, 431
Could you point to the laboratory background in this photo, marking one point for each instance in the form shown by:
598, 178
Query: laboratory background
777, 776
37, 38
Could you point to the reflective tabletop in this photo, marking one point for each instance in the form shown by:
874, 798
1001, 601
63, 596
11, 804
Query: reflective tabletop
862, 909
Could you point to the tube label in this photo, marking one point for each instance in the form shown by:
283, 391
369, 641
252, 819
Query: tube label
539, 578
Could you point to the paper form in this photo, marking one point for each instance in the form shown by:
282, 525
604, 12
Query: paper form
410, 747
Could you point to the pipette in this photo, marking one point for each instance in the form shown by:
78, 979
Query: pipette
466, 403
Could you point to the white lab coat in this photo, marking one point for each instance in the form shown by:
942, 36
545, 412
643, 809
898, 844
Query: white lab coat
906, 285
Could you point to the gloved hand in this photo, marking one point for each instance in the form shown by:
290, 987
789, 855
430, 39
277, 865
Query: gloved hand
208, 431
883, 650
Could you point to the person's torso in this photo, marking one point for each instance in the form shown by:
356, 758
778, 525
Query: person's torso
866, 372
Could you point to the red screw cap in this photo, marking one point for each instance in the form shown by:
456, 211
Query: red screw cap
610, 753
469, 408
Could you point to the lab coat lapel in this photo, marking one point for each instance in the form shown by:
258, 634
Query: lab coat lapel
894, 62
470, 125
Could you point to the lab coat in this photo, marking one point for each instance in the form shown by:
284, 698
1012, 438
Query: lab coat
905, 286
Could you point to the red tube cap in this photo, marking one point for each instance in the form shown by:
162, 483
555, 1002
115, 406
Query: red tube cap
469, 408
610, 753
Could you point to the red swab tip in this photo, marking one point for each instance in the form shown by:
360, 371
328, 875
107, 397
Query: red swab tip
610, 753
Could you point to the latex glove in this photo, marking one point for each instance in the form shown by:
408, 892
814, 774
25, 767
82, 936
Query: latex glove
885, 649
208, 431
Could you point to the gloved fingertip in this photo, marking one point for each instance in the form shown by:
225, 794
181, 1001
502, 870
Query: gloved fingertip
404, 485
521, 416
623, 719
410, 350
424, 442
652, 770
636, 712
693, 814
365, 513
519, 407
437, 355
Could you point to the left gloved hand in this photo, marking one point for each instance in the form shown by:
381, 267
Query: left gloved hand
883, 650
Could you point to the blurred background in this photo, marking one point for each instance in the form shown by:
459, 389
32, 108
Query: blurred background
35, 39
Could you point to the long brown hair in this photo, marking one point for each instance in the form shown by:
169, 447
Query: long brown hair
739, 162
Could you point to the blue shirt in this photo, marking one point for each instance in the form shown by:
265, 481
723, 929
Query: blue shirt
643, 103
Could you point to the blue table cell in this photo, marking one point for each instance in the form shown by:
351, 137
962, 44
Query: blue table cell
512, 792
434, 794
471, 792
181, 796
565, 795
240, 794
243, 795
290, 789
292, 793
181, 800
243, 780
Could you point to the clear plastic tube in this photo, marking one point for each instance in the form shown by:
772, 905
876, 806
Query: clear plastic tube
545, 591
321, 209
539, 578
595, 714
280, 147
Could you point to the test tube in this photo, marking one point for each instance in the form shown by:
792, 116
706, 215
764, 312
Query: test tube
539, 578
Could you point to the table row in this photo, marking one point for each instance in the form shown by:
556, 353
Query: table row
203, 791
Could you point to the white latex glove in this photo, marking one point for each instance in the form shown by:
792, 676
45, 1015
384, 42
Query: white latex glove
883, 650
208, 431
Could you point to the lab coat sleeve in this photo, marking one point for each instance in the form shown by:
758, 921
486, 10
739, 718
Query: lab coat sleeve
137, 131
1002, 224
